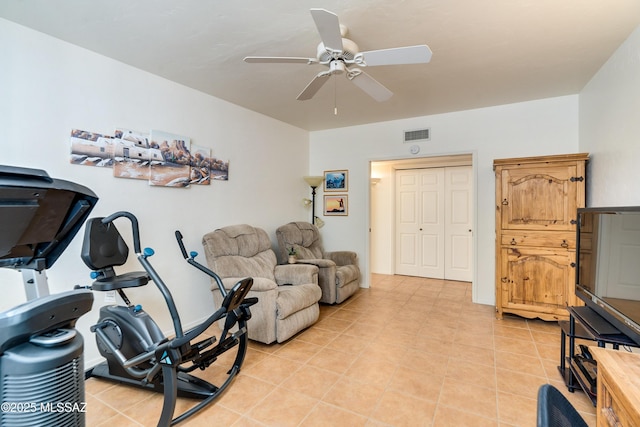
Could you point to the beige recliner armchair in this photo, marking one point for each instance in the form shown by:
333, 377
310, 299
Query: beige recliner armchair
339, 274
287, 294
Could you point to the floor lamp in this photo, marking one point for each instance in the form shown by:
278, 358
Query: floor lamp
314, 182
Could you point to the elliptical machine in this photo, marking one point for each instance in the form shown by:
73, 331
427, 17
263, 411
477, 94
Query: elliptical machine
135, 349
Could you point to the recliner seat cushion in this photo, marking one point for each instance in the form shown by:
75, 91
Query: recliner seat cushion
292, 299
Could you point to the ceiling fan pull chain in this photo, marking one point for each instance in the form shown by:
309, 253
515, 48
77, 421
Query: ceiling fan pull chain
335, 102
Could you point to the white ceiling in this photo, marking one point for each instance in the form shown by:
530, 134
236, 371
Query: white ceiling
485, 53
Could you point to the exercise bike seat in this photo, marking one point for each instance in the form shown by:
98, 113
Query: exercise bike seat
132, 279
102, 249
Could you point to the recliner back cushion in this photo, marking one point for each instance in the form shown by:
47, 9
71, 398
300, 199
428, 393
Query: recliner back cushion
240, 251
304, 237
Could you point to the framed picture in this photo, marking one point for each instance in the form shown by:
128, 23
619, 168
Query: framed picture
336, 180
336, 204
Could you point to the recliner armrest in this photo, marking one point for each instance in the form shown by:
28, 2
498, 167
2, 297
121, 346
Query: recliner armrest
320, 262
260, 284
296, 274
343, 257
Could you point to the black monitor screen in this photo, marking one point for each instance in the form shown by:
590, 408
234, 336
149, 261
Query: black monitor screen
39, 216
608, 276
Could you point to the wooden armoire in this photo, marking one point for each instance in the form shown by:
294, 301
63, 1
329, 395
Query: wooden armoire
536, 211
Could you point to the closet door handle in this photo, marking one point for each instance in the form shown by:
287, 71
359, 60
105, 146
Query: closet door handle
564, 244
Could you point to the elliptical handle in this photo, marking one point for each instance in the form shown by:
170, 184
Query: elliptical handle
196, 264
181, 244
134, 226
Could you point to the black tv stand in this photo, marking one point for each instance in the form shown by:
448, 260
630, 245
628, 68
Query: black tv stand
578, 370
594, 321
586, 370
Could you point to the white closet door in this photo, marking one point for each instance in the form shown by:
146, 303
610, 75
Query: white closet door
433, 223
458, 219
420, 222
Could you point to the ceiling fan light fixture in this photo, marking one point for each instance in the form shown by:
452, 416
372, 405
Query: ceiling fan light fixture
337, 67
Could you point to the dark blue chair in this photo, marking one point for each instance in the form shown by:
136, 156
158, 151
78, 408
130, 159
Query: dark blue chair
554, 410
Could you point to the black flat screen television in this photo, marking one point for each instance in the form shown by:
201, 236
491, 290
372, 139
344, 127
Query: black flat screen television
608, 265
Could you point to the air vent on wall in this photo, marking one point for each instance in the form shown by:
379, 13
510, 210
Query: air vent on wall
417, 135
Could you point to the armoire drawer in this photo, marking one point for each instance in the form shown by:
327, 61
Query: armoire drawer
551, 240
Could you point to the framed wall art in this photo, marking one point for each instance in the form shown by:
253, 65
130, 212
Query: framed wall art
160, 158
336, 180
336, 204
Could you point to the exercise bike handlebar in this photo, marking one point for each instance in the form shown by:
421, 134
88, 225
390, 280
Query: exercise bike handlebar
142, 258
134, 226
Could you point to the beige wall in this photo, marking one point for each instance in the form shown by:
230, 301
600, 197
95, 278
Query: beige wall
48, 88
610, 128
548, 126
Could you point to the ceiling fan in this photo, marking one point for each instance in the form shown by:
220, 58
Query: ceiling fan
341, 55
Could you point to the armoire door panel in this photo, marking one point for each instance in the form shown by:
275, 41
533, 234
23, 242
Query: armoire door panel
535, 199
538, 277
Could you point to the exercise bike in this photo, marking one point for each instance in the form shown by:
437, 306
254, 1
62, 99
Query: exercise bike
41, 351
135, 349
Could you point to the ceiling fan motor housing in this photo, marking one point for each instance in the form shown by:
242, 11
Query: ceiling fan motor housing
349, 51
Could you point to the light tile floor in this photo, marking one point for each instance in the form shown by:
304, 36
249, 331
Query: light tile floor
406, 352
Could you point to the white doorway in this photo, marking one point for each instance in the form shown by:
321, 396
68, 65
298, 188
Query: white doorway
444, 246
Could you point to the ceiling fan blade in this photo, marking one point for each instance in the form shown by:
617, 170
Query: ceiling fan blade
314, 86
328, 26
420, 54
279, 60
370, 86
